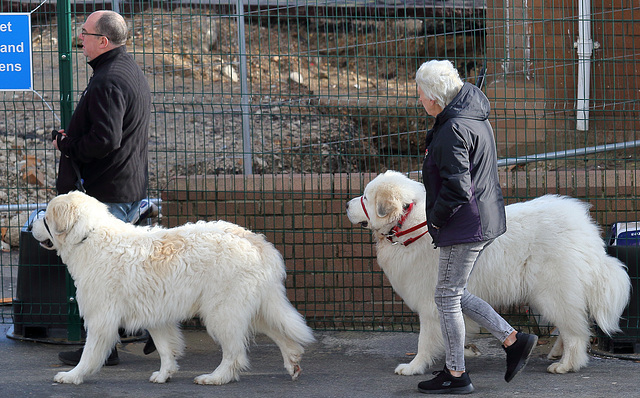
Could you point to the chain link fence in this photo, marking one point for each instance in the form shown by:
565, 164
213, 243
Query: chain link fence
273, 114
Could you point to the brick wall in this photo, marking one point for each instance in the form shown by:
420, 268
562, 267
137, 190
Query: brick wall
333, 278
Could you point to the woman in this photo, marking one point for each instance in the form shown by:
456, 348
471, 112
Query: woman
465, 211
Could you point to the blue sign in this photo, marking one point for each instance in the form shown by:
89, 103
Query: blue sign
16, 69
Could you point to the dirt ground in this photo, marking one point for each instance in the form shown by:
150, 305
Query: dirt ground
323, 95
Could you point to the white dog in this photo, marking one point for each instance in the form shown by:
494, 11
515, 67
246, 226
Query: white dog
153, 278
551, 257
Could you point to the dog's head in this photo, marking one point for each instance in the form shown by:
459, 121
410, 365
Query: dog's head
67, 220
384, 201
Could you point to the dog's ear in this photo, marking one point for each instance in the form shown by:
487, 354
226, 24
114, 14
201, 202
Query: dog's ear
62, 214
387, 202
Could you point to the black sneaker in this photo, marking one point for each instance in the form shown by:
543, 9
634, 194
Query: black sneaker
73, 357
149, 346
518, 354
445, 383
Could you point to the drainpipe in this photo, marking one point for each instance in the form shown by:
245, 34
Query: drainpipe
584, 47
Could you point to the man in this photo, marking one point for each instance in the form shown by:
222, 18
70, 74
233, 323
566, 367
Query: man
465, 213
104, 149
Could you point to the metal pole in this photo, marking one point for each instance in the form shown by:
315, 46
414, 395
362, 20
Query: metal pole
244, 93
42, 206
568, 153
64, 58
74, 324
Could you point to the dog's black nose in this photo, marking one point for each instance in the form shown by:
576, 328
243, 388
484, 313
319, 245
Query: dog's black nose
347, 207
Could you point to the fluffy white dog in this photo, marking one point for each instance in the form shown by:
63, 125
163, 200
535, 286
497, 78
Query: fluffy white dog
551, 257
153, 278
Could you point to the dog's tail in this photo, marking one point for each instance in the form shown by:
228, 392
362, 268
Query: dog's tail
277, 311
612, 292
283, 316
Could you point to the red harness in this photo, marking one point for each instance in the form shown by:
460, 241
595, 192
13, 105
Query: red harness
395, 231
364, 208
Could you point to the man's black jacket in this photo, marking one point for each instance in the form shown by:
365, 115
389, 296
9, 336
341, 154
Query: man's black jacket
107, 136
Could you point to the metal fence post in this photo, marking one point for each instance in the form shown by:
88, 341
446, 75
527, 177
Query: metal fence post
64, 57
66, 109
247, 147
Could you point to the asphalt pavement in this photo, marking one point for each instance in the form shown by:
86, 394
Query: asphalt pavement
339, 364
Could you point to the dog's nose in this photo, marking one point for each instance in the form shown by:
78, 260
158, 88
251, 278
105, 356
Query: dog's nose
347, 206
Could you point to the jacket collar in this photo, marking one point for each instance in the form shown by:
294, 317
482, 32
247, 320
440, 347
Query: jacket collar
106, 57
469, 103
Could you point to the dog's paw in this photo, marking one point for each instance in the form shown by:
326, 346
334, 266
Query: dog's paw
67, 378
215, 378
409, 369
558, 368
296, 372
159, 377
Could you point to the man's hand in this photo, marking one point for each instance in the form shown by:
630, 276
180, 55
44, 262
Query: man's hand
54, 137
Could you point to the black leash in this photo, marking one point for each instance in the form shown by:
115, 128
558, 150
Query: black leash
79, 181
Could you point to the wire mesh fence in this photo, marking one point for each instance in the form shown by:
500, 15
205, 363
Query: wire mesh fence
272, 115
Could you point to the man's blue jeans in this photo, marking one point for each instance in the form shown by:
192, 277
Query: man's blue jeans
453, 299
126, 212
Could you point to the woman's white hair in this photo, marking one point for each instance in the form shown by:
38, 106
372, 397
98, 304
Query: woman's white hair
439, 80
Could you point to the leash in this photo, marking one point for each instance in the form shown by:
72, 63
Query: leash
79, 184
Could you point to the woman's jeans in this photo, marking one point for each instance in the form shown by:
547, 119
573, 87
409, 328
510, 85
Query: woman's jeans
453, 299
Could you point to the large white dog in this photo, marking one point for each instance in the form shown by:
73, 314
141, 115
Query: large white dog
153, 278
551, 257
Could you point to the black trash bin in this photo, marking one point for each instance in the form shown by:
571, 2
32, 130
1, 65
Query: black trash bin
41, 305
623, 242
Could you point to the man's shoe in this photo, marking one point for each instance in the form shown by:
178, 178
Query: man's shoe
149, 346
73, 357
518, 354
445, 383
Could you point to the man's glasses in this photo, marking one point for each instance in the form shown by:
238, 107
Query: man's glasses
85, 33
